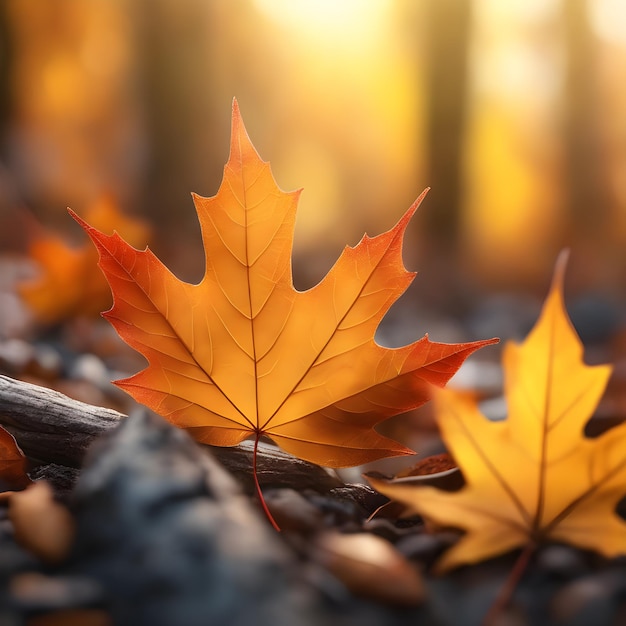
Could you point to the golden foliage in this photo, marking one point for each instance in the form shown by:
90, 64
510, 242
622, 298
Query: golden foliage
534, 477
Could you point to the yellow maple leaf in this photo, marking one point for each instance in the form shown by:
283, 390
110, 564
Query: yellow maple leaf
533, 477
243, 353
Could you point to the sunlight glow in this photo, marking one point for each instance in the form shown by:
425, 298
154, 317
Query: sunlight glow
342, 20
608, 19
351, 76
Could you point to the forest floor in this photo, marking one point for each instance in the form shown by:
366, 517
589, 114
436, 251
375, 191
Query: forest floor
151, 528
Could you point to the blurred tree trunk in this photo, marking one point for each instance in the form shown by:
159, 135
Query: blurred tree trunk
5, 92
11, 237
447, 32
588, 201
187, 139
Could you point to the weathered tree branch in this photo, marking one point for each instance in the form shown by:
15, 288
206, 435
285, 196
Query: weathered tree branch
50, 426
53, 428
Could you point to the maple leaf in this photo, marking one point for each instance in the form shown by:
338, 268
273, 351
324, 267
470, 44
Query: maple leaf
13, 463
533, 477
243, 353
68, 282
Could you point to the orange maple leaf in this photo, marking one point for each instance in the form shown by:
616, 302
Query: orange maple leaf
68, 283
533, 477
13, 464
243, 353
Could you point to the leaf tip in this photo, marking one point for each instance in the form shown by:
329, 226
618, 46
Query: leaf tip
79, 220
241, 146
559, 269
236, 112
411, 211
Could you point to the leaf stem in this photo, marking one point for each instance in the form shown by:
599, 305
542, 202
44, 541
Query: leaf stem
506, 592
258, 486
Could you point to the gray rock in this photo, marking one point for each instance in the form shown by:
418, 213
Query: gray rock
167, 533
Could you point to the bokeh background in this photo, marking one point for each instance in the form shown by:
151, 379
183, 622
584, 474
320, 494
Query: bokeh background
514, 113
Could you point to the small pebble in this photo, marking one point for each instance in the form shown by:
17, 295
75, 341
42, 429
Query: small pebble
16, 318
371, 567
571, 600
15, 356
292, 511
337, 511
426, 547
563, 561
90, 368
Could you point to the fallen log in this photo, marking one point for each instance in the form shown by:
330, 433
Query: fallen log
52, 428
